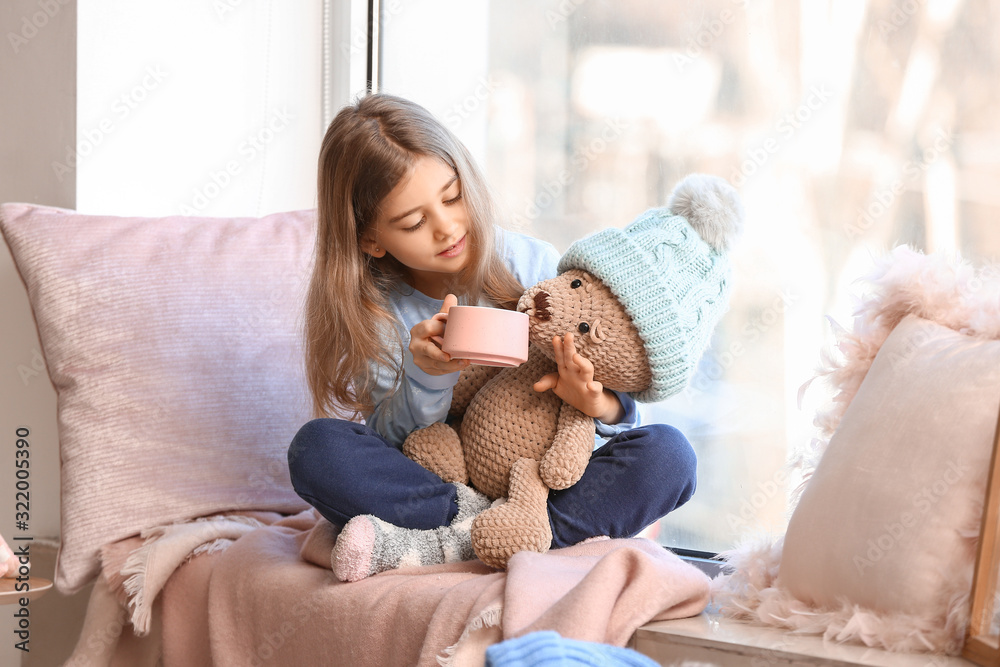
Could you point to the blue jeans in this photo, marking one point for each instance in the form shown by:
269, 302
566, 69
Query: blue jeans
344, 469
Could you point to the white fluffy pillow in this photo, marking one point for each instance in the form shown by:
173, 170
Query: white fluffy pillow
174, 347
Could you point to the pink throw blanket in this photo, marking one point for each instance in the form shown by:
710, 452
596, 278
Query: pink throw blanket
270, 598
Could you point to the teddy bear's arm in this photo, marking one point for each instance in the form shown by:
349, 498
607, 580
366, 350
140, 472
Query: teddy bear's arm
563, 464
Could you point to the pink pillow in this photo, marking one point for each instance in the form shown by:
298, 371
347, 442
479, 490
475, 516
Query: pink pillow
174, 347
880, 547
887, 519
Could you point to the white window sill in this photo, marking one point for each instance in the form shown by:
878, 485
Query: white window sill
709, 639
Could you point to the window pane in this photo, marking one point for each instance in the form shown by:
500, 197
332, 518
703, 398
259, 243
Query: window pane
849, 128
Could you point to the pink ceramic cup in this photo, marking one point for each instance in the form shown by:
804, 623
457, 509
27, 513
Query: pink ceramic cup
485, 336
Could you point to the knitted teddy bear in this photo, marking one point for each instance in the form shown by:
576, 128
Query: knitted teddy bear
641, 303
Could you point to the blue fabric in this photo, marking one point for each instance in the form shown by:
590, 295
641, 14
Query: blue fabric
344, 469
631, 481
548, 649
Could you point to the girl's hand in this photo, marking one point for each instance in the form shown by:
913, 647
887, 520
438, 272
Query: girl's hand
575, 383
426, 351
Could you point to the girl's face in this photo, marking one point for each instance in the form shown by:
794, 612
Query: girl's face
423, 223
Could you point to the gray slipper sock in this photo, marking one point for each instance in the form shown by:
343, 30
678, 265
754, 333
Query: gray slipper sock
470, 503
456, 537
367, 545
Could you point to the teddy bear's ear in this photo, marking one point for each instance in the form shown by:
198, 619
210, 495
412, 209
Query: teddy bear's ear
597, 332
711, 206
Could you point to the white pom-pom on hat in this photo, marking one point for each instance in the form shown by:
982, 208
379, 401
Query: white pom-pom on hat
711, 206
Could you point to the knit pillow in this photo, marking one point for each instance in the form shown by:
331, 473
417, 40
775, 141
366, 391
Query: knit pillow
174, 348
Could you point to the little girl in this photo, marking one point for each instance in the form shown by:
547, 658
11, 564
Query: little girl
408, 228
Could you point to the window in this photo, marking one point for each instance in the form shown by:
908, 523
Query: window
849, 128
213, 111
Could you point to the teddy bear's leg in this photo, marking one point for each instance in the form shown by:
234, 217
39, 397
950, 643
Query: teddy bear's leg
438, 448
520, 524
367, 545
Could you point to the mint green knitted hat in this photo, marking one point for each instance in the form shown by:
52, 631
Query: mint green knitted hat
670, 269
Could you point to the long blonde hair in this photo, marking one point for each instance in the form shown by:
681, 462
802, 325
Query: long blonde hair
368, 149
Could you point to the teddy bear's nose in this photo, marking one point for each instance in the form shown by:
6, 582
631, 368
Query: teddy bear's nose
542, 306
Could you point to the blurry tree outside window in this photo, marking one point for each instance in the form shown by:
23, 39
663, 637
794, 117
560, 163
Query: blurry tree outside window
849, 127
